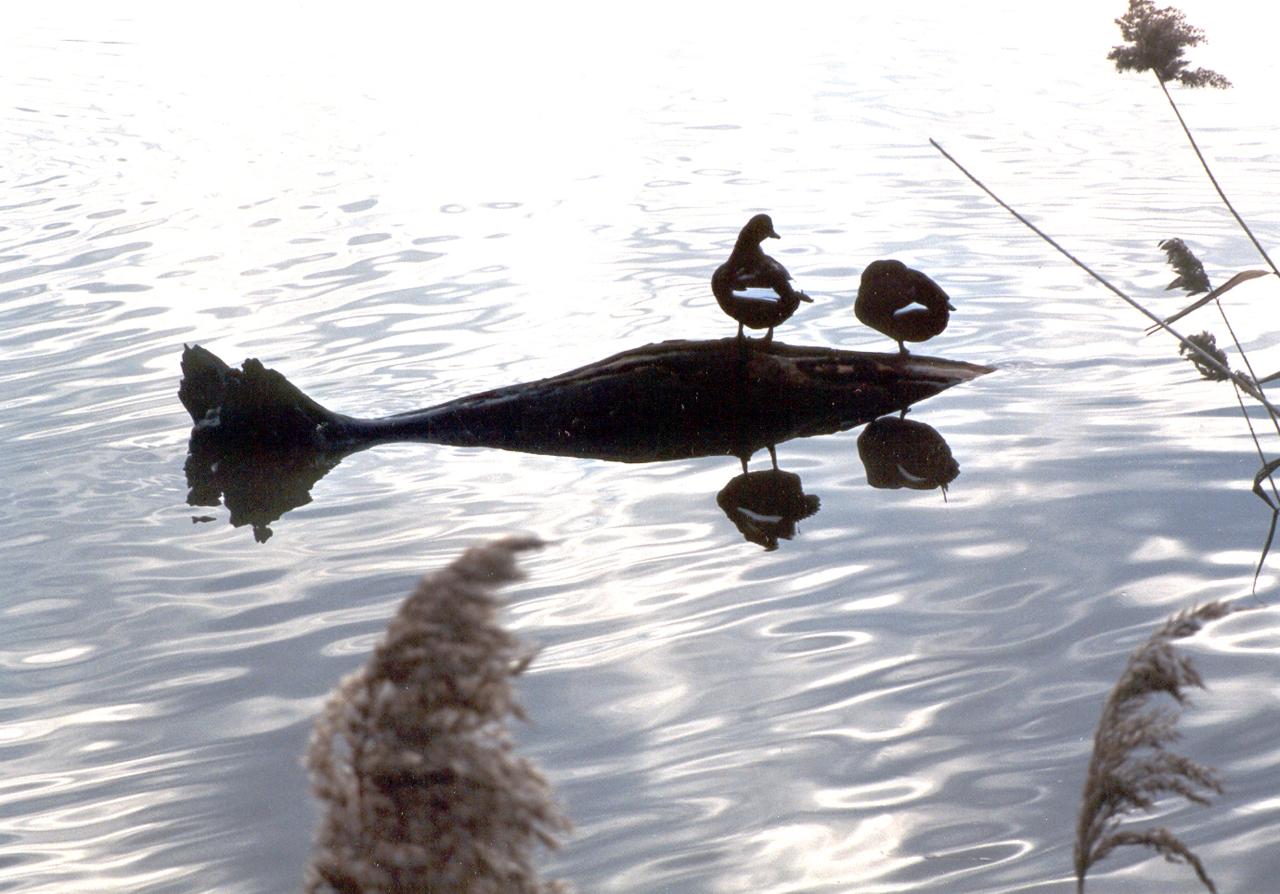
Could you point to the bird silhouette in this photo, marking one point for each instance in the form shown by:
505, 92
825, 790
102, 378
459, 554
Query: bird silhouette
752, 287
902, 303
905, 453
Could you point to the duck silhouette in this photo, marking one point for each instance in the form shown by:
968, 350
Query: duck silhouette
905, 453
766, 506
752, 287
902, 303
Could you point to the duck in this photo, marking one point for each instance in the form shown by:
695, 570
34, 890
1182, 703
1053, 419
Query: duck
742, 283
902, 303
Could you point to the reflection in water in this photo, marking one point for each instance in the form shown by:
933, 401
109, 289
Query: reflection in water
765, 506
262, 443
257, 486
905, 453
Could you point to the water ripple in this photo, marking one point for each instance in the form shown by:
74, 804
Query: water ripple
900, 698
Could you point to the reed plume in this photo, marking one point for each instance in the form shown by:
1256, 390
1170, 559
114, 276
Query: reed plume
1191, 277
1132, 765
1207, 343
412, 757
1156, 39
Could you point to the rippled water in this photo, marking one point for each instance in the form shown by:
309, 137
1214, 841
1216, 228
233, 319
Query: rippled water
399, 209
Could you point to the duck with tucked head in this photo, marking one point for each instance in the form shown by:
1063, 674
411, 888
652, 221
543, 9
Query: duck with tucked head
902, 303
752, 287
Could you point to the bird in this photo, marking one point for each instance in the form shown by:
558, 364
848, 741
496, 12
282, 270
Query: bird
902, 303
752, 287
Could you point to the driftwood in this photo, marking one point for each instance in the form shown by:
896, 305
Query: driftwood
262, 442
674, 400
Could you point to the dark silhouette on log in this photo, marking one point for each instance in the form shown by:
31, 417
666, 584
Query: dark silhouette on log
263, 443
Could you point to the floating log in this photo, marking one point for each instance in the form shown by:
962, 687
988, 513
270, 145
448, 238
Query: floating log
667, 401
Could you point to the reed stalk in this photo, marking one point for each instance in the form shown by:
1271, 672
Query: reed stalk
1245, 383
1132, 766
1214, 180
412, 758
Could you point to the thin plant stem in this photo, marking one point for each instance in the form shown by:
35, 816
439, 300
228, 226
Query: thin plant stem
1214, 180
1275, 512
1256, 444
1209, 360
1249, 366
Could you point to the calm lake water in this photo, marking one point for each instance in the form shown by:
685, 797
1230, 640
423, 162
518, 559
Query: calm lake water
399, 208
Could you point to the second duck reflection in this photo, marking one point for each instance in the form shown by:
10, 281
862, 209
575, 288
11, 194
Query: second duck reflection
766, 506
756, 290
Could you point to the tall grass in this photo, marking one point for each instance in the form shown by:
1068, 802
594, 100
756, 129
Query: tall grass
1156, 39
412, 759
1132, 765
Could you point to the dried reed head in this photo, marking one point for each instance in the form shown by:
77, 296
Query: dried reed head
1207, 342
1132, 766
1156, 39
1191, 276
412, 757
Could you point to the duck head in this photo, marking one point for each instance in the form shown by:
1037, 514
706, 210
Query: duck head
758, 229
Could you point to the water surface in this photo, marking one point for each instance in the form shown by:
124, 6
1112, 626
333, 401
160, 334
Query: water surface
399, 209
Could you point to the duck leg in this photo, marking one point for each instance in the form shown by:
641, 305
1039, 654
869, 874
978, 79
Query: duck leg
773, 455
768, 339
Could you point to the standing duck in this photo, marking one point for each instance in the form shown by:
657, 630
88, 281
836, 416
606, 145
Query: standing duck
742, 284
902, 303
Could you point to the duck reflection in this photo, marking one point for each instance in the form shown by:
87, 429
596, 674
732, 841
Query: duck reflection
904, 453
765, 506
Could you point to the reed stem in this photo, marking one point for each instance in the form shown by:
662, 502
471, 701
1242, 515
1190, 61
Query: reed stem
1212, 362
1214, 180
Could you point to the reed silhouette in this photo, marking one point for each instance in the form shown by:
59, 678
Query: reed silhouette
412, 758
1132, 766
1156, 39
